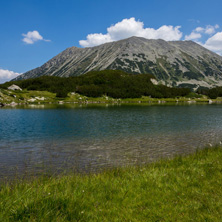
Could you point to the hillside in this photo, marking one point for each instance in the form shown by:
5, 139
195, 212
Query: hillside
112, 83
106, 86
174, 63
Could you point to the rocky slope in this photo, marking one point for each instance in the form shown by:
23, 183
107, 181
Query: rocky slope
174, 63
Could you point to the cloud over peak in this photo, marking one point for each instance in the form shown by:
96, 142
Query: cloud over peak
214, 39
130, 27
33, 36
199, 31
6, 75
214, 43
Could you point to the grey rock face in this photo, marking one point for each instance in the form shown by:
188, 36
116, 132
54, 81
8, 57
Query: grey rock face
174, 63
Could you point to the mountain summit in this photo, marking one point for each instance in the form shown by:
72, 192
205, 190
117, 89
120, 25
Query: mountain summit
173, 63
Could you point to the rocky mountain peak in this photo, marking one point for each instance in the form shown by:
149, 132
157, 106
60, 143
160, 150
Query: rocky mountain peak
174, 63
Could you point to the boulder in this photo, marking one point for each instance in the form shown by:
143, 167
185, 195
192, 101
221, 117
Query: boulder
40, 98
14, 87
13, 104
31, 100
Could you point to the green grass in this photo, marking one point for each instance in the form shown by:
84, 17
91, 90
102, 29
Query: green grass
22, 97
182, 189
25, 97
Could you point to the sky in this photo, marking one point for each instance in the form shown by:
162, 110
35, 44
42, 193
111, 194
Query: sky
34, 31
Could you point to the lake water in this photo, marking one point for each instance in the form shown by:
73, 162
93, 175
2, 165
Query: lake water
89, 138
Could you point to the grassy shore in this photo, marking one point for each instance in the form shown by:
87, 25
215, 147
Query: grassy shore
12, 98
182, 189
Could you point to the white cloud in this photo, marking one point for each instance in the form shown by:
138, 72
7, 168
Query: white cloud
6, 75
130, 27
211, 29
95, 39
199, 31
32, 37
214, 43
193, 36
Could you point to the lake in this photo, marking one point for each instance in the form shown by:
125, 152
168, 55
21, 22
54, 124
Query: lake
36, 139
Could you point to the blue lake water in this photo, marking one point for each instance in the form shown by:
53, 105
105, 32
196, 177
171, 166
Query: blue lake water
88, 138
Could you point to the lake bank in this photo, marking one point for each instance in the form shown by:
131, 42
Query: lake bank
181, 189
16, 98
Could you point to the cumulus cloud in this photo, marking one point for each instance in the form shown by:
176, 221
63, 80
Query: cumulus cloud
130, 27
32, 37
6, 75
214, 43
193, 36
211, 29
199, 31
95, 39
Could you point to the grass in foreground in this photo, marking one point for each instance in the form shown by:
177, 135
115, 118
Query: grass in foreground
183, 189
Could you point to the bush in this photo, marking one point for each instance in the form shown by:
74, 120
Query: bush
61, 93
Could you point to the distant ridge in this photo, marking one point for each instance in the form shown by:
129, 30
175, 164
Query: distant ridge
173, 63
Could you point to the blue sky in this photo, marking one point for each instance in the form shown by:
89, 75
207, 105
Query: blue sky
33, 31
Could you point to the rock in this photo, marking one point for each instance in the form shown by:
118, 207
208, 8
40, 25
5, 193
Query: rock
31, 100
14, 87
191, 101
40, 98
13, 104
210, 101
154, 81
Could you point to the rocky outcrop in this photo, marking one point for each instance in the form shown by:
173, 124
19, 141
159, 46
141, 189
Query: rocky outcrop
14, 87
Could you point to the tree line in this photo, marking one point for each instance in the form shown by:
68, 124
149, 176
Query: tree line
113, 83
211, 93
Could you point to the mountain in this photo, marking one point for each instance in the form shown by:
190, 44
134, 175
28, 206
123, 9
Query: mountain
173, 63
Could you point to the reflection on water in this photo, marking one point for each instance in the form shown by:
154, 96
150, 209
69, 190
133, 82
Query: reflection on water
93, 138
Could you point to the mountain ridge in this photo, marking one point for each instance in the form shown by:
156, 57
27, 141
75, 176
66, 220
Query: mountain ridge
173, 63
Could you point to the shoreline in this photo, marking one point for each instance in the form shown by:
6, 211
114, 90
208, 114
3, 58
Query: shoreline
152, 101
159, 102
16, 98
